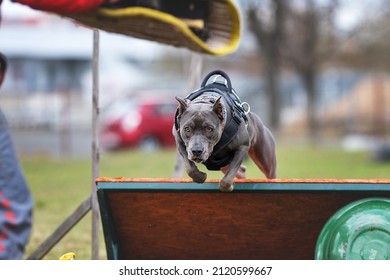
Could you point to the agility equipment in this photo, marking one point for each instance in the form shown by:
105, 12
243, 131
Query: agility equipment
163, 219
216, 31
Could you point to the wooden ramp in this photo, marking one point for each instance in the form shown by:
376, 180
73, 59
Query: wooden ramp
261, 219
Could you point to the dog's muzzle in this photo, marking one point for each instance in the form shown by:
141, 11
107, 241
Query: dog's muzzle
197, 153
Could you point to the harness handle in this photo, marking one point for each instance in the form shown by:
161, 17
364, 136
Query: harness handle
228, 84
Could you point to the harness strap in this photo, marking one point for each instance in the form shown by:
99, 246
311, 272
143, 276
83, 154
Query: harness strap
225, 90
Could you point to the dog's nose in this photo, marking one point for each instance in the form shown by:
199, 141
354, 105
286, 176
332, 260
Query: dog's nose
197, 151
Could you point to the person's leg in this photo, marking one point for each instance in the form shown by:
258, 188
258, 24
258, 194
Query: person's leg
16, 203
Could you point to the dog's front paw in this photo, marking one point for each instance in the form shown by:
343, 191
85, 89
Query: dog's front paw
225, 186
198, 176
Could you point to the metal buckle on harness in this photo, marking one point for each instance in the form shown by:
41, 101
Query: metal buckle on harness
245, 106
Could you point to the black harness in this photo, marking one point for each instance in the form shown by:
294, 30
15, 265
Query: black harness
233, 120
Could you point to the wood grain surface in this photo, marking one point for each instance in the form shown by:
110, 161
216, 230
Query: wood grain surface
274, 225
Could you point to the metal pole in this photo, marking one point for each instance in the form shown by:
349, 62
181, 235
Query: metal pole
195, 73
95, 145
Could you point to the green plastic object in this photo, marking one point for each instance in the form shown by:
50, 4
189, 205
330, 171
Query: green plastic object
358, 231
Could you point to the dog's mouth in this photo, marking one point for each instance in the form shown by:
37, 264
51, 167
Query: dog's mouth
197, 160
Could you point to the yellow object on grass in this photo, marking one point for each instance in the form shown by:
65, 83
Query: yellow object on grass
68, 257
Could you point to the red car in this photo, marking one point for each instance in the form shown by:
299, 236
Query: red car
138, 123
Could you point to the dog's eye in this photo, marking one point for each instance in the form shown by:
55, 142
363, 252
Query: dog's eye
209, 129
187, 129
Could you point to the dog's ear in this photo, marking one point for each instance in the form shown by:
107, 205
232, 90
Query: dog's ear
218, 108
183, 105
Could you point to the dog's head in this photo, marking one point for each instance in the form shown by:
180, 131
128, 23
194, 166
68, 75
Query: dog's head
200, 126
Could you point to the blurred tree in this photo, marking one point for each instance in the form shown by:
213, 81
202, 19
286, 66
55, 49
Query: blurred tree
266, 22
305, 36
368, 49
367, 45
309, 41
300, 33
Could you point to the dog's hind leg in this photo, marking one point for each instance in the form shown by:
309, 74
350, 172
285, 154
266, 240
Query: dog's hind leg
262, 150
265, 158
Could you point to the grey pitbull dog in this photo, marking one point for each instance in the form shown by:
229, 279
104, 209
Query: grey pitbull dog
213, 128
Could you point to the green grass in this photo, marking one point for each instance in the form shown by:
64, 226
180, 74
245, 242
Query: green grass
59, 186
